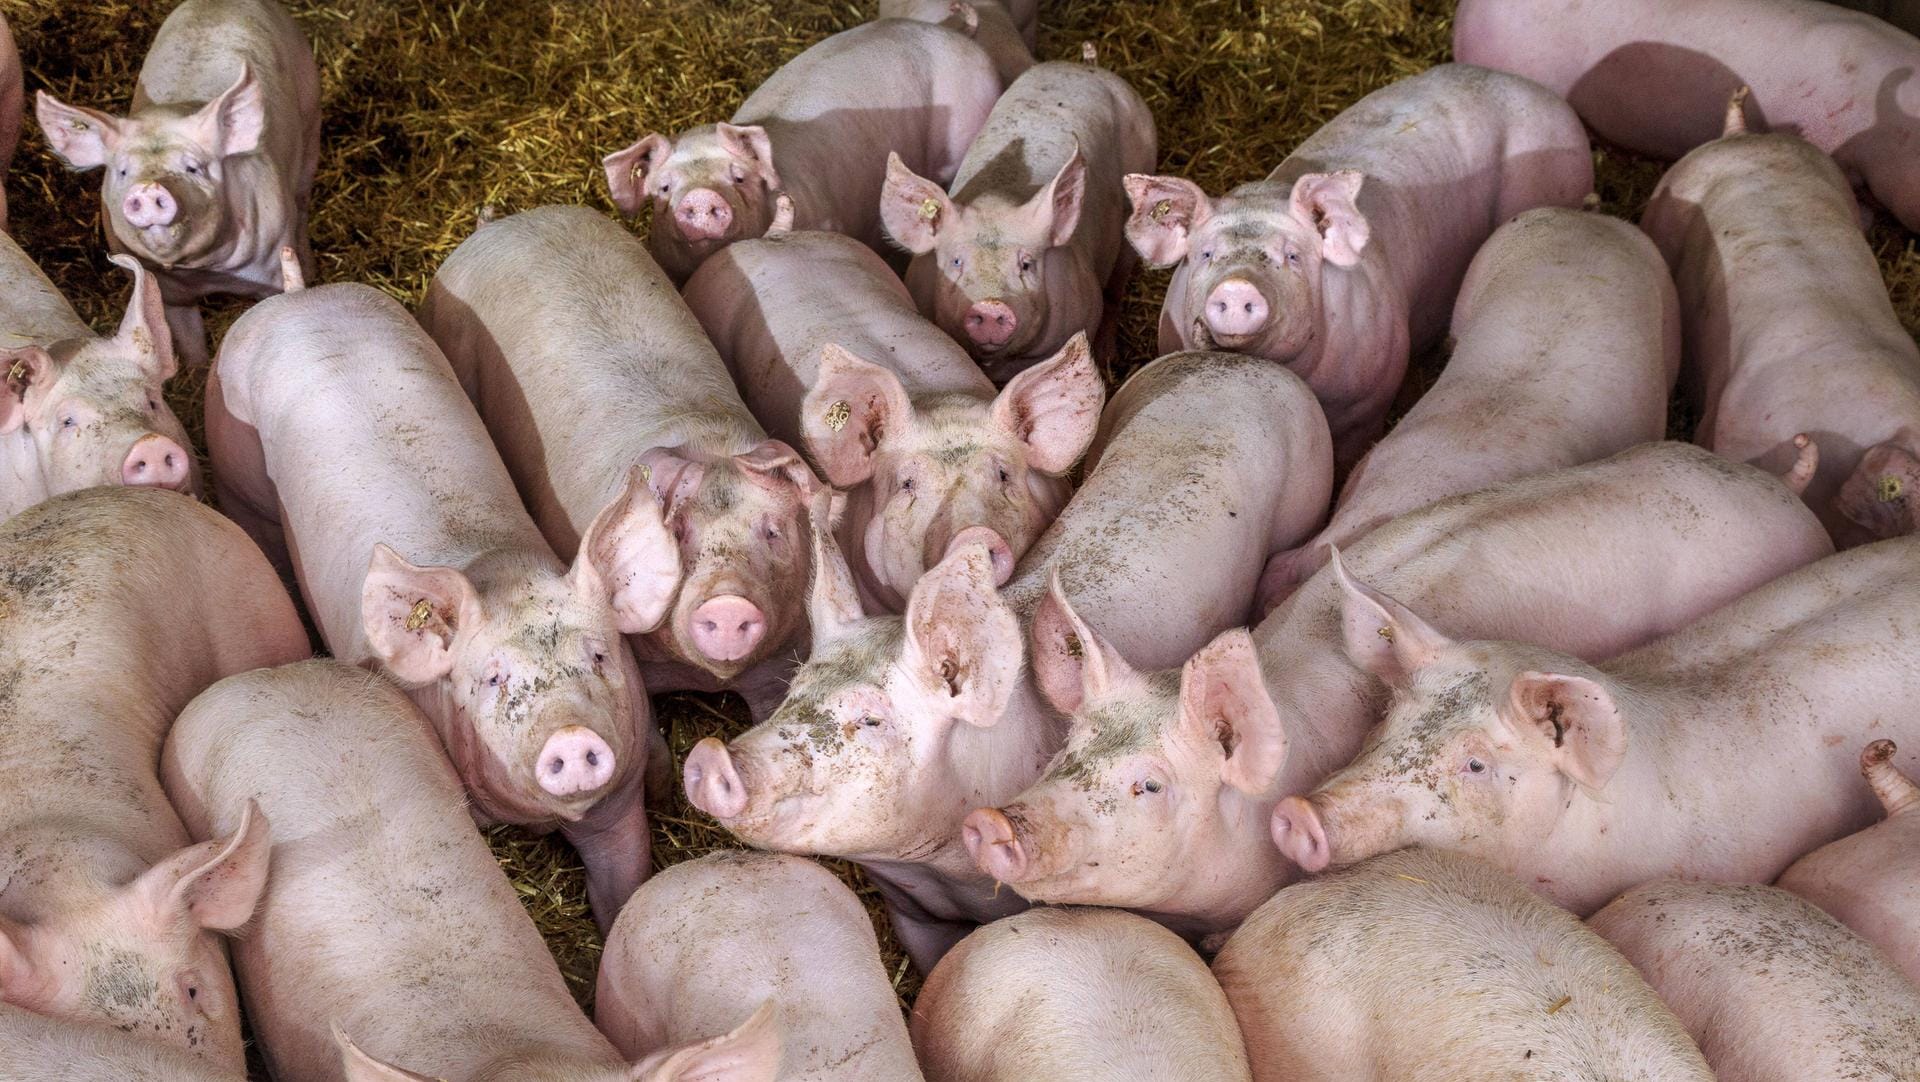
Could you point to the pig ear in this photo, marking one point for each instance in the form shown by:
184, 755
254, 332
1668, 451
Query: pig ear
214, 884
412, 615
1166, 211
1058, 204
629, 559
1324, 202
852, 406
233, 122
1382, 636
672, 476
1224, 701
83, 138
24, 370
627, 171
774, 459
751, 1053
913, 208
1579, 715
1071, 662
143, 329
357, 1066
962, 638
1054, 407
833, 605
749, 146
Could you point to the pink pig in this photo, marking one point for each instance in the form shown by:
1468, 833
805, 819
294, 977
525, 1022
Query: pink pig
1347, 256
1005, 31
117, 606
209, 178
1567, 339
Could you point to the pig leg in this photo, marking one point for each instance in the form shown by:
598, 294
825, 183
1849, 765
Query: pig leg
189, 334
661, 775
614, 845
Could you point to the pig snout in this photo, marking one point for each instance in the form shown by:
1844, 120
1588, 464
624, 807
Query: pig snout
994, 845
997, 549
575, 760
713, 785
155, 461
149, 205
1298, 832
727, 627
1237, 309
990, 324
703, 214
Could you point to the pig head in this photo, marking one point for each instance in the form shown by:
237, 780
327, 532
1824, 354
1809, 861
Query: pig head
709, 186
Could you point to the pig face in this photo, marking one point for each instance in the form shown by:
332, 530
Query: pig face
544, 693
709, 187
993, 262
167, 189
136, 956
94, 407
858, 760
1482, 750
1253, 264
929, 472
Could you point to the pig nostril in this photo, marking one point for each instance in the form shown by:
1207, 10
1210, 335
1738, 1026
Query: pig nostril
558, 766
593, 758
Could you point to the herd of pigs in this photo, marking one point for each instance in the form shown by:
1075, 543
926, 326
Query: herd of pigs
815, 440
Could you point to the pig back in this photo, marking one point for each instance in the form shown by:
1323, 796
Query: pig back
33, 311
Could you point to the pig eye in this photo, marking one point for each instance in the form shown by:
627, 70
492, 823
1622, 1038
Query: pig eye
68, 420
1004, 479
870, 722
906, 484
193, 169
1475, 766
1150, 785
1206, 256
954, 262
1293, 257
1026, 264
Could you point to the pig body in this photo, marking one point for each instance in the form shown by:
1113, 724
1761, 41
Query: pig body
1075, 995
209, 177
993, 26
1347, 256
1029, 247
1561, 311
894, 728
1808, 344
13, 97
117, 606
812, 324
706, 943
819, 129
603, 369
1428, 965
1654, 75
38, 1049
339, 431
1145, 808
1870, 881
1772, 988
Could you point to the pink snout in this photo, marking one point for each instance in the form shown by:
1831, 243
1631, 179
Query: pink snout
1299, 834
994, 846
991, 323
1236, 309
728, 627
713, 785
703, 214
149, 205
156, 461
997, 549
575, 760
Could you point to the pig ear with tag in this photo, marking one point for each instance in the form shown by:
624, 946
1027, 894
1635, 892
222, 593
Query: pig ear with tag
1056, 207
1578, 716
1224, 700
1054, 407
962, 639
213, 885
912, 208
833, 604
24, 370
1166, 211
411, 615
751, 1053
1382, 636
143, 328
852, 406
751, 150
83, 138
628, 170
776, 460
1072, 664
357, 1066
1324, 202
629, 558
233, 122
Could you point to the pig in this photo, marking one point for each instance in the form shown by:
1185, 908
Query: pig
117, 606
1161, 800
42, 1049
1075, 995
80, 410
706, 942
827, 349
1652, 75
992, 25
894, 727
606, 369
339, 432
13, 97
1870, 881
1430, 965
1772, 988
1567, 340
212, 172
389, 941
1721, 752
1027, 249
1789, 346
1283, 268
1023, 15
819, 129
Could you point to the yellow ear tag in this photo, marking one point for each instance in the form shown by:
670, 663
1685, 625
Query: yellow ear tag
837, 415
1386, 633
1160, 209
417, 618
18, 372
1889, 489
929, 208
1074, 649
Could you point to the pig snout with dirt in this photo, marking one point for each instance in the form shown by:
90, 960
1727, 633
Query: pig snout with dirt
1773, 989
577, 393
827, 349
895, 727
209, 177
708, 942
117, 607
992, 25
1075, 995
819, 129
1029, 247
1433, 966
1348, 255
1161, 799
339, 432
1567, 340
